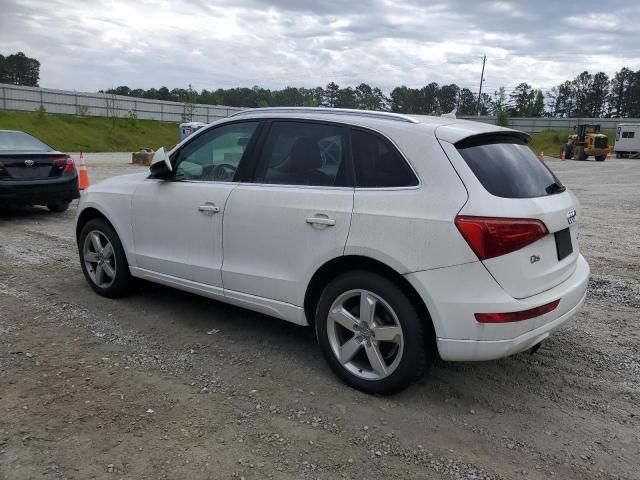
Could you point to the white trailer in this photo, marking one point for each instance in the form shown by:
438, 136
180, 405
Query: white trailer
627, 140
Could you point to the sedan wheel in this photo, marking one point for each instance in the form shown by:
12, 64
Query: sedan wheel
99, 259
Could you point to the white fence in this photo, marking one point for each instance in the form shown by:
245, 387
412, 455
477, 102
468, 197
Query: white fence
540, 124
13, 97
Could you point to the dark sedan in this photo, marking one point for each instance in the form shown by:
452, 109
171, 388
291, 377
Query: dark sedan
33, 173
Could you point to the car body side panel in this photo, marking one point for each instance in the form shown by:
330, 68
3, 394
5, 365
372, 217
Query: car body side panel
112, 198
412, 228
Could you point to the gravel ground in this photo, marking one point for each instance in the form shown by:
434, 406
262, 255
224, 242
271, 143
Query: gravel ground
164, 384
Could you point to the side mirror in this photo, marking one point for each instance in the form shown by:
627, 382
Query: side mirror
161, 164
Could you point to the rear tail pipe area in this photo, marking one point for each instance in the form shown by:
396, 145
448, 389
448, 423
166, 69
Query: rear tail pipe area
535, 348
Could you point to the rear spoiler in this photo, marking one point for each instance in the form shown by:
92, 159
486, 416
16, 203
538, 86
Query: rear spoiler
487, 138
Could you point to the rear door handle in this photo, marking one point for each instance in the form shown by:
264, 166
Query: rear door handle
321, 221
209, 208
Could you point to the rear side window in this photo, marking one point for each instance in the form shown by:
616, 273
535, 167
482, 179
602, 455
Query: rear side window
506, 167
303, 153
378, 164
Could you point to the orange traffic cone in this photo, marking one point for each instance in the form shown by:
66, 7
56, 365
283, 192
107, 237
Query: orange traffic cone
609, 157
563, 156
83, 174
541, 156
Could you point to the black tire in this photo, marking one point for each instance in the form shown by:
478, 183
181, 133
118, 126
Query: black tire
600, 158
121, 283
59, 206
416, 353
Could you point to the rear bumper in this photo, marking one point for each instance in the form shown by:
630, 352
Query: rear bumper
479, 350
461, 338
39, 191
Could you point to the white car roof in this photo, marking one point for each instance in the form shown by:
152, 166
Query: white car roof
445, 128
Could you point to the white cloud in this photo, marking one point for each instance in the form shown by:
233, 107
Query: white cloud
274, 43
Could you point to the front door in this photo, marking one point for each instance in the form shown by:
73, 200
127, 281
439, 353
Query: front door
295, 215
177, 223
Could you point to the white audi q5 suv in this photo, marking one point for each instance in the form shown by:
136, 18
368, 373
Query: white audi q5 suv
397, 238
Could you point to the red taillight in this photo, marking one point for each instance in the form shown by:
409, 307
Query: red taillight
507, 317
491, 237
65, 163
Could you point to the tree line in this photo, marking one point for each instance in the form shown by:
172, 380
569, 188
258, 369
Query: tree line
18, 69
587, 95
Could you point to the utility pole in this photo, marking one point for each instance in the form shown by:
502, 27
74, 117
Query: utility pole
484, 60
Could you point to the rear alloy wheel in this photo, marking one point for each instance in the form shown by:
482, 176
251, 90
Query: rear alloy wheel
59, 206
370, 333
103, 260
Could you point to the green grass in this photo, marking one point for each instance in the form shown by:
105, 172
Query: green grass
550, 141
69, 133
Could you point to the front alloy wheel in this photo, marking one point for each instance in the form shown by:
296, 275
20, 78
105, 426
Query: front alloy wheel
99, 259
102, 259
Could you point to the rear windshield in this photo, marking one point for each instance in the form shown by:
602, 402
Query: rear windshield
22, 141
508, 168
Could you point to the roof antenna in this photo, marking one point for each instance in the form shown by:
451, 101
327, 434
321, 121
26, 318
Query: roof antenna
451, 114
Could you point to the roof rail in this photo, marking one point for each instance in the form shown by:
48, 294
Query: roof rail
330, 111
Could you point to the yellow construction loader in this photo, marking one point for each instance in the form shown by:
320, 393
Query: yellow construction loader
586, 142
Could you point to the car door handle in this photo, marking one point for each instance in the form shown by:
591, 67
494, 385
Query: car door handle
321, 220
209, 208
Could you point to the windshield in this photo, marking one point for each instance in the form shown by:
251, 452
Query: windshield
508, 168
12, 141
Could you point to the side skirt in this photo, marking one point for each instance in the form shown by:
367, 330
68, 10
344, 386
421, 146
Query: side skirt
267, 306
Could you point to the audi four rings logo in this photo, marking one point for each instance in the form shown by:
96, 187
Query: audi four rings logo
571, 216
29, 163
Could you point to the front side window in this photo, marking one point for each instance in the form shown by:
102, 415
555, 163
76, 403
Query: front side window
378, 164
300, 153
215, 155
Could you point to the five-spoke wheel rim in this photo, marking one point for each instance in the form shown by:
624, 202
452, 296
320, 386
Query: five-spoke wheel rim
99, 259
365, 334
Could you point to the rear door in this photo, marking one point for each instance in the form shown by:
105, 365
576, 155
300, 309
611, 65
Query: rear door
505, 179
293, 217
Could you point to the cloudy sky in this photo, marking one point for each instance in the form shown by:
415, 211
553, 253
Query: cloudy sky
98, 44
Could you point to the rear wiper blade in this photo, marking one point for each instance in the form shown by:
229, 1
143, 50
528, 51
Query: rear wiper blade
555, 187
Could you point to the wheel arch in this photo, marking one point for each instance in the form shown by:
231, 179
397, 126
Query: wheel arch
91, 213
347, 263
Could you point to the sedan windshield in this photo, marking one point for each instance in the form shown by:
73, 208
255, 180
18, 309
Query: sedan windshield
20, 141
